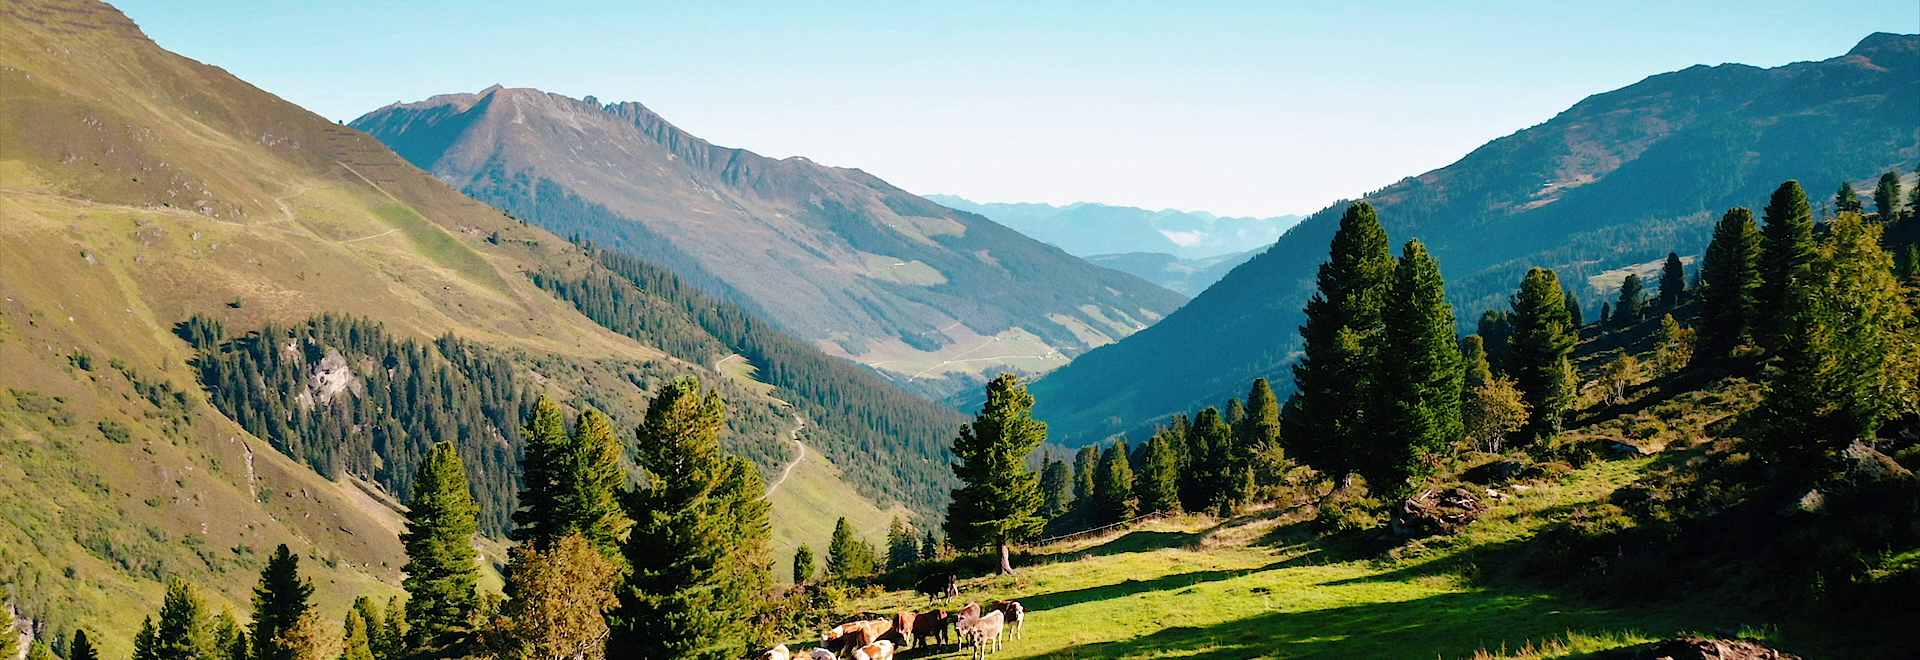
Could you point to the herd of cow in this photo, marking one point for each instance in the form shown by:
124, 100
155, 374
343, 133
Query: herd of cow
877, 638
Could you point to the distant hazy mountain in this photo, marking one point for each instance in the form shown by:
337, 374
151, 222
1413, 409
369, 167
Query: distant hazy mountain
1619, 179
862, 269
1087, 229
1188, 276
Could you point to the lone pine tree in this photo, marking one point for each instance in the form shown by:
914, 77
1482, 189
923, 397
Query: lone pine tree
280, 600
1673, 281
999, 500
1786, 244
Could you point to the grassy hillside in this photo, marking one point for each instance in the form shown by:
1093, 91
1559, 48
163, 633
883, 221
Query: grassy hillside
138, 189
1619, 179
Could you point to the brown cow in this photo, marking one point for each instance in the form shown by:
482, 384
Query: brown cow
880, 650
777, 653
850, 636
917, 627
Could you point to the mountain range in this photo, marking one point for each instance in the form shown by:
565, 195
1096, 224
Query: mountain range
1086, 229
1187, 276
1618, 180
931, 296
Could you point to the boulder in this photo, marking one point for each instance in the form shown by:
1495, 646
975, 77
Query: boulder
1698, 648
1435, 512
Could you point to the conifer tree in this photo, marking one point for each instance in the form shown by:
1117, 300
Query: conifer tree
697, 551
589, 485
1629, 307
1673, 281
1731, 279
1235, 412
1113, 499
999, 500
803, 565
1574, 313
382, 640
1606, 313
1056, 485
546, 445
1846, 200
1421, 376
1886, 197
38, 650
279, 601
1846, 351
1541, 350
441, 569
1325, 421
902, 547
1473, 358
183, 631
81, 648
1260, 454
356, 641
1084, 463
844, 556
229, 639
1786, 244
1158, 485
929, 546
1496, 327
1209, 441
10, 640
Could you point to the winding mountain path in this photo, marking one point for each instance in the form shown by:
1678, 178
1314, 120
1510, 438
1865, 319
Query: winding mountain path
801, 456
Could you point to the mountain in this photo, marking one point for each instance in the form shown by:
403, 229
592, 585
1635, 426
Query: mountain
1617, 180
1187, 276
227, 323
1087, 229
860, 268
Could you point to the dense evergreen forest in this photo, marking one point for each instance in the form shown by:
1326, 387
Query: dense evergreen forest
873, 429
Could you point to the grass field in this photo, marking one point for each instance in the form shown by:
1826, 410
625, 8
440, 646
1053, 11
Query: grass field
1259, 587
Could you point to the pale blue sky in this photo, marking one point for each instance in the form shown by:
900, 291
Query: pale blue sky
1239, 108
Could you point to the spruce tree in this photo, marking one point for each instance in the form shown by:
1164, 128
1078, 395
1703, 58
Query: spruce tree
1731, 280
1209, 443
546, 445
697, 551
1606, 313
844, 556
356, 641
803, 565
1886, 197
383, 640
1056, 485
1158, 485
1113, 499
902, 548
1421, 376
1673, 281
1084, 462
999, 500
1541, 349
1235, 412
929, 546
1577, 315
279, 601
183, 631
441, 564
1496, 327
1846, 200
39, 650
1786, 244
1473, 358
1325, 421
229, 639
1258, 440
1630, 306
589, 486
1846, 352
81, 648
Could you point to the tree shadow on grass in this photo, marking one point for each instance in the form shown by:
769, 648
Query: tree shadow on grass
1451, 625
1126, 588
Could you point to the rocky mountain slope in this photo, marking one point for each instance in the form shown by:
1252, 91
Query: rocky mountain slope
140, 190
1086, 229
1619, 179
863, 269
